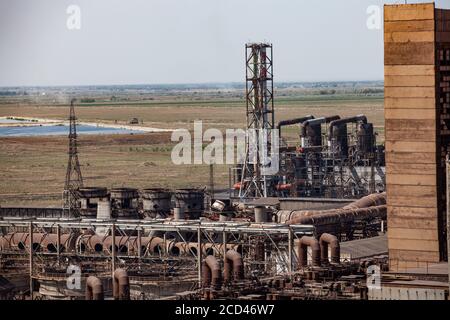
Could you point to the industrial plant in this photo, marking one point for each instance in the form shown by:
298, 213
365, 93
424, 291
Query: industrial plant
345, 216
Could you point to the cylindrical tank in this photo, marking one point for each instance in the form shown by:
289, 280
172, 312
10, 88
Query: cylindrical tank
339, 142
192, 200
178, 213
89, 198
313, 135
260, 214
124, 202
365, 138
156, 201
104, 209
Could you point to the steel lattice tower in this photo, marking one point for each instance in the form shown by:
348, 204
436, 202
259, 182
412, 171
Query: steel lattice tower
74, 180
260, 115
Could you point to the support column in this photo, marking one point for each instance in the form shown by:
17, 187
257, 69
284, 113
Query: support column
113, 250
30, 235
447, 162
199, 256
58, 243
290, 248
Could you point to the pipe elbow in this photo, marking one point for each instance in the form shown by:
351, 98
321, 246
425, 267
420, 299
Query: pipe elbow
94, 288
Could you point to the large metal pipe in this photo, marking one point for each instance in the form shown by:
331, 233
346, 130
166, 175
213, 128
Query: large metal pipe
293, 121
212, 274
372, 200
234, 266
328, 240
121, 285
302, 251
306, 125
94, 289
290, 217
341, 216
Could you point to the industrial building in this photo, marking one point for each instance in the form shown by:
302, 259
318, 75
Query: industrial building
340, 208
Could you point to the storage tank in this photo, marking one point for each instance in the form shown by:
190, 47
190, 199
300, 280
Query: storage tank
124, 203
192, 200
365, 138
89, 199
339, 142
156, 202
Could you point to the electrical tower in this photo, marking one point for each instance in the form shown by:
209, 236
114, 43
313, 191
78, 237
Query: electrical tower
74, 180
260, 119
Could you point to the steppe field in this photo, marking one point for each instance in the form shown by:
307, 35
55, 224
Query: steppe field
32, 169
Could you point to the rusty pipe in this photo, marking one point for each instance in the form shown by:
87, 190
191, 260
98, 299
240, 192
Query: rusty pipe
302, 251
371, 200
328, 240
234, 266
376, 199
212, 274
121, 285
94, 289
341, 216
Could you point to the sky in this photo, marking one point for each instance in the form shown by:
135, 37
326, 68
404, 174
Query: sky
187, 41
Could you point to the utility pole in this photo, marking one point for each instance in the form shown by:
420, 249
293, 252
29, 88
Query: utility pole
74, 180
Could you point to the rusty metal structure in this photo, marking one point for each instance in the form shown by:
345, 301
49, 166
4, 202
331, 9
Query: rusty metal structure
254, 180
333, 158
74, 179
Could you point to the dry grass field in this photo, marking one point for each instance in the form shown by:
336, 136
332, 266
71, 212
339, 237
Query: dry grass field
32, 168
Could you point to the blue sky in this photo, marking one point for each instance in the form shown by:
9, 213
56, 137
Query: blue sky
186, 41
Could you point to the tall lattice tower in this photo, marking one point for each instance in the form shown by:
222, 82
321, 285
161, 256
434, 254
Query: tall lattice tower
260, 119
74, 180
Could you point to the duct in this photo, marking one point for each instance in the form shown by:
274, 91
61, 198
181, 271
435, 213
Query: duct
341, 216
67, 242
306, 125
121, 285
293, 121
233, 265
302, 251
94, 289
21, 241
372, 200
338, 122
212, 274
332, 241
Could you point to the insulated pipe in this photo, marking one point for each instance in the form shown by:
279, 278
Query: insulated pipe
341, 216
302, 251
121, 285
21, 240
313, 122
372, 200
332, 241
67, 242
293, 121
212, 274
233, 265
335, 123
377, 199
94, 288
